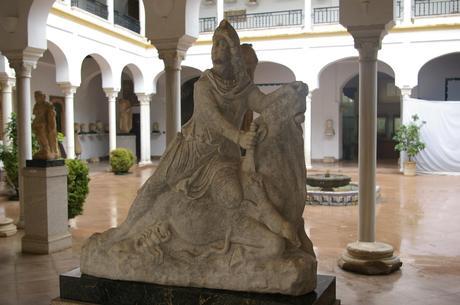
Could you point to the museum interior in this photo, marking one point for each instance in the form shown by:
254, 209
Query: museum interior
127, 128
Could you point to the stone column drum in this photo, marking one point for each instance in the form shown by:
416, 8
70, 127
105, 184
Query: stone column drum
46, 217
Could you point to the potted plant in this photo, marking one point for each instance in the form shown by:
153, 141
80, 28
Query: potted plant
121, 160
77, 186
408, 140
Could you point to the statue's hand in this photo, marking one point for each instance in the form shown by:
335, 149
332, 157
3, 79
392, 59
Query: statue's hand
247, 140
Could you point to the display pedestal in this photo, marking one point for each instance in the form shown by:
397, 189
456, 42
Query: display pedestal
76, 288
45, 207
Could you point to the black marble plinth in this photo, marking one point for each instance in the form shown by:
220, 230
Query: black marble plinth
83, 288
45, 163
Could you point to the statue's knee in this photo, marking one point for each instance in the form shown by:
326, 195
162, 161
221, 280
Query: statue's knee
275, 245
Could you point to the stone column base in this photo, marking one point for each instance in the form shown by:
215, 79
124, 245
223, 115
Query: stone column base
7, 227
370, 258
45, 246
144, 163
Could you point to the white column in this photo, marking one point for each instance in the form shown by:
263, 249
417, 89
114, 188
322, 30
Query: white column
23, 69
172, 61
220, 11
367, 159
144, 100
307, 133
7, 103
407, 11
112, 98
142, 17
110, 9
307, 15
406, 92
69, 92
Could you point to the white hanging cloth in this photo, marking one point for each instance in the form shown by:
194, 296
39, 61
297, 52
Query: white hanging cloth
441, 134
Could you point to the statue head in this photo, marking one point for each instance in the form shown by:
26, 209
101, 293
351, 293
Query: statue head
226, 52
39, 96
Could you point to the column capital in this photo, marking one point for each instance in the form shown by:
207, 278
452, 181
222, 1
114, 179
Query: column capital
367, 46
172, 58
111, 93
68, 88
7, 83
144, 99
24, 61
406, 91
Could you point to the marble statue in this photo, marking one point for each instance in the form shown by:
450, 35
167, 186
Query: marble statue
207, 217
125, 116
44, 127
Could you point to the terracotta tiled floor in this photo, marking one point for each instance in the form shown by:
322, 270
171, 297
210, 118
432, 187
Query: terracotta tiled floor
419, 216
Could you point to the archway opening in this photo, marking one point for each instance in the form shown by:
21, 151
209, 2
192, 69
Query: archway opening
388, 117
439, 79
91, 113
189, 76
128, 115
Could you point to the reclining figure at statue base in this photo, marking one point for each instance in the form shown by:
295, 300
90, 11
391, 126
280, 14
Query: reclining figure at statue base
208, 217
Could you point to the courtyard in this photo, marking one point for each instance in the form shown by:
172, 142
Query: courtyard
417, 215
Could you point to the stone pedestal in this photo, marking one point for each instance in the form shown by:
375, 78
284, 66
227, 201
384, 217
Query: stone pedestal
369, 258
46, 220
7, 227
76, 288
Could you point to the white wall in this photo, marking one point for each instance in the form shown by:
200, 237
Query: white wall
432, 76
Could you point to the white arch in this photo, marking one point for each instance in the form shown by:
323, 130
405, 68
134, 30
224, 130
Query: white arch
61, 62
188, 73
283, 75
108, 80
138, 78
444, 54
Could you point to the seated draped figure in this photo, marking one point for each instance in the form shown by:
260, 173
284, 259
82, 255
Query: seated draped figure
208, 217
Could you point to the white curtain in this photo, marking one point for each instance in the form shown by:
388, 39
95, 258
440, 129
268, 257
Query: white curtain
441, 134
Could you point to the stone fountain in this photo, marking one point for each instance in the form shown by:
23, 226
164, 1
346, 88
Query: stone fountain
332, 189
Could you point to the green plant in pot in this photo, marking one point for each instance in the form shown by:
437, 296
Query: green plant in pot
77, 186
121, 160
408, 140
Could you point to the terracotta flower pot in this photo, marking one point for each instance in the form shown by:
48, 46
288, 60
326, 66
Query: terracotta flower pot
410, 168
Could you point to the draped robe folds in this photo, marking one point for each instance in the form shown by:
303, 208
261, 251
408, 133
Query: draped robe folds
176, 234
208, 142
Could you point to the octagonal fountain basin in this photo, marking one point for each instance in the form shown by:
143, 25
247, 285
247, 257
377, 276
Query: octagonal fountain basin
327, 181
338, 196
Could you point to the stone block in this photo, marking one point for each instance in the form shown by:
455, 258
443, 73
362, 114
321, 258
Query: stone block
75, 287
45, 209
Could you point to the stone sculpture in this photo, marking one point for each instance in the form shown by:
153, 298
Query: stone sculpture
206, 218
99, 127
44, 127
125, 116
